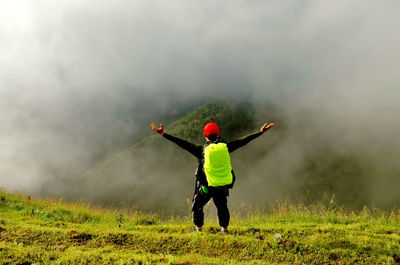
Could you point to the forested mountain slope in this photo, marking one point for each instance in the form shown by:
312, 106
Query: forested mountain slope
153, 172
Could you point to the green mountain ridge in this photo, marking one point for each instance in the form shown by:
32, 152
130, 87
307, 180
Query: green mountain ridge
234, 119
133, 174
155, 174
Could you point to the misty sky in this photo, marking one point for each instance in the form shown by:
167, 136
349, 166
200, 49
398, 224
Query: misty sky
77, 77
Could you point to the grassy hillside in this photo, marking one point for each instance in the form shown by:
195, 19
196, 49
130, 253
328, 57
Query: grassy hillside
52, 232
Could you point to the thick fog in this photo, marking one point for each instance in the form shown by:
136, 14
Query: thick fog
80, 80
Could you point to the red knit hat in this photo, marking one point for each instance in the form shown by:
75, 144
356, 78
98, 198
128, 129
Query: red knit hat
211, 128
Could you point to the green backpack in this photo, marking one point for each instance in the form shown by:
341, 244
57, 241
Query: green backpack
217, 165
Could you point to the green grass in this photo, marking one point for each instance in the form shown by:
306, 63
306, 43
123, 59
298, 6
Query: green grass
37, 231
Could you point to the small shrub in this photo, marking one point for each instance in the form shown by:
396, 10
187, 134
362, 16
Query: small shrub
120, 219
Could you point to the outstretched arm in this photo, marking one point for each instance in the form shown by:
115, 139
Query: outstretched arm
235, 144
194, 149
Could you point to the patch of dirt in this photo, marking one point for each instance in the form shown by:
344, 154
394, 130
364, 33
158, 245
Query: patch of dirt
396, 258
81, 237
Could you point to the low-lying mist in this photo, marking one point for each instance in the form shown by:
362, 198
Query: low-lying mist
80, 82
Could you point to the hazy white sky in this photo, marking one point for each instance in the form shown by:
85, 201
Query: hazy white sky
74, 73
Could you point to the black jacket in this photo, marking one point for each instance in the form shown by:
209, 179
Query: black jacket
197, 151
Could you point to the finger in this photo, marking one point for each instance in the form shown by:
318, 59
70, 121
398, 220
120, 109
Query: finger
161, 126
263, 127
153, 126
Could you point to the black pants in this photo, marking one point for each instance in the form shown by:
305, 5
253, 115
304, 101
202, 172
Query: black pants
219, 196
